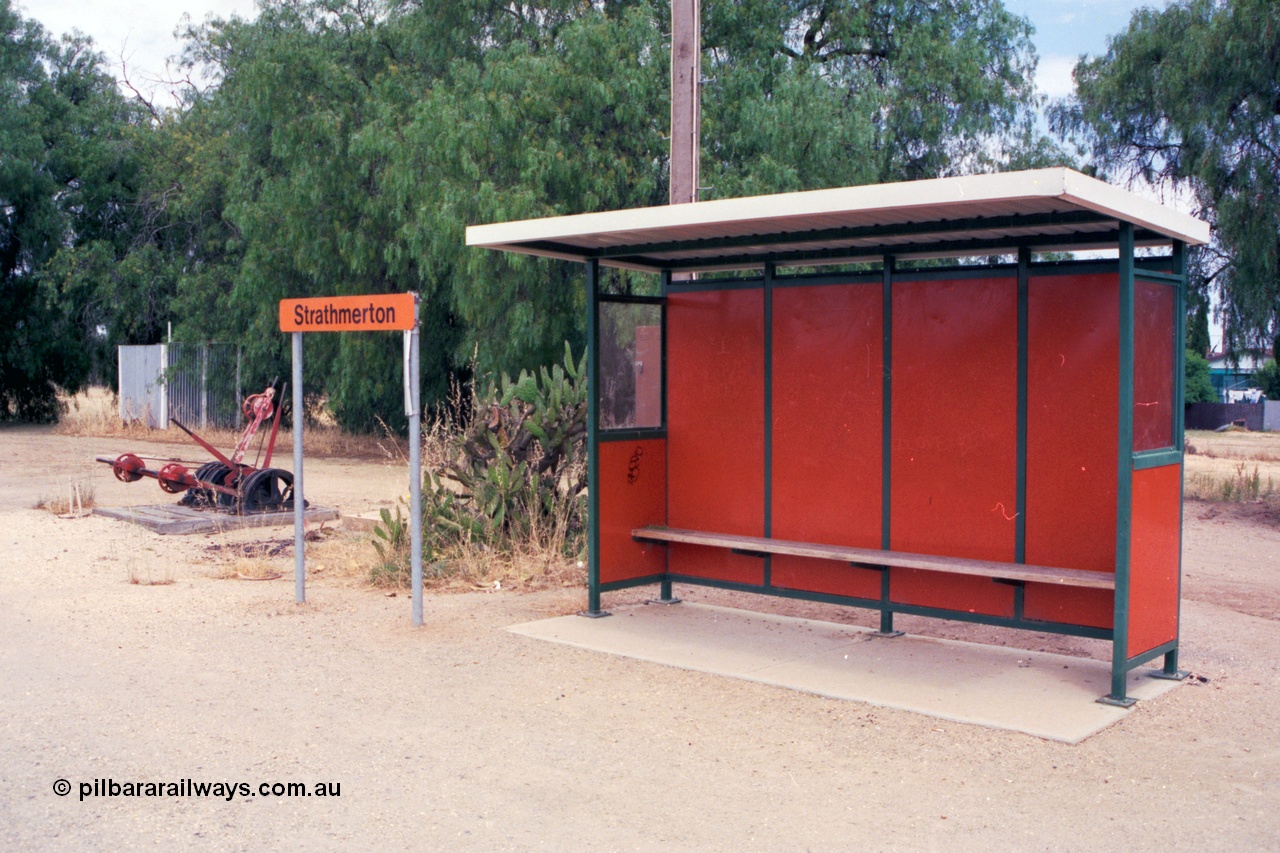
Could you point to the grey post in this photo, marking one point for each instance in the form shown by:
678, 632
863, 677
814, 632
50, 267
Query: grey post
415, 469
299, 505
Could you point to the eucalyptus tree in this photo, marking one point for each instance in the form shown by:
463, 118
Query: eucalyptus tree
1190, 96
67, 180
358, 138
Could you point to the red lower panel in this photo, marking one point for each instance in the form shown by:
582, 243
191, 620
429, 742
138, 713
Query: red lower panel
954, 441
1154, 553
715, 564
826, 576
633, 493
827, 423
1094, 608
951, 592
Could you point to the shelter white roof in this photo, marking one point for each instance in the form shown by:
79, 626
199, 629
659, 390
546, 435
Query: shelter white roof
1045, 210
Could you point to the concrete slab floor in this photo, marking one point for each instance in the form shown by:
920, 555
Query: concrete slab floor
1046, 695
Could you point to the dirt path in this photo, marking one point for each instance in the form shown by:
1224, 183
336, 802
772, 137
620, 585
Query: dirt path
464, 736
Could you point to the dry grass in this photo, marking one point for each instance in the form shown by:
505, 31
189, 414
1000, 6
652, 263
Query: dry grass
342, 556
534, 561
1235, 444
95, 412
255, 569
75, 501
145, 577
337, 554
1233, 466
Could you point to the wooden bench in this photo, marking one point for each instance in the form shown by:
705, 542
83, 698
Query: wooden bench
876, 558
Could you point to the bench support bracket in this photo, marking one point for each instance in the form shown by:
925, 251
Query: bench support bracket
664, 594
886, 615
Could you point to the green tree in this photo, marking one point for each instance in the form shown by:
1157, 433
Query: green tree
806, 95
1268, 379
302, 94
1198, 321
67, 180
1199, 387
346, 144
1188, 96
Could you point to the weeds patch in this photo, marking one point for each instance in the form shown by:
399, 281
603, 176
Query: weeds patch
1246, 484
76, 501
145, 577
504, 503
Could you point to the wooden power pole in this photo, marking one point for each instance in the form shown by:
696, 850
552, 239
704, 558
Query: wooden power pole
686, 117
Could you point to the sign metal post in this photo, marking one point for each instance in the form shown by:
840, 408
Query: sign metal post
299, 503
390, 312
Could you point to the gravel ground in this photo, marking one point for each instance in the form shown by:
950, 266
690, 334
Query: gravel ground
461, 735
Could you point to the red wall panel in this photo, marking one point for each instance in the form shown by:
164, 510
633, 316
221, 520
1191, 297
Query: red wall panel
1094, 608
1153, 360
954, 439
1072, 434
825, 576
1154, 552
633, 493
715, 416
827, 389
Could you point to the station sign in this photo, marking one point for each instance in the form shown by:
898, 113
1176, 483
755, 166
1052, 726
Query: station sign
368, 313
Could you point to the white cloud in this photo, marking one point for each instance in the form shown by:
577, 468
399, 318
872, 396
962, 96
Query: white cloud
136, 33
1053, 75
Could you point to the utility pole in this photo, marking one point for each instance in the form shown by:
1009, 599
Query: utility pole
686, 117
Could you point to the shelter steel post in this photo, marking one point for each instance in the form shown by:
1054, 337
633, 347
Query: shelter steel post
415, 468
299, 504
593, 442
1170, 669
886, 441
665, 593
1124, 484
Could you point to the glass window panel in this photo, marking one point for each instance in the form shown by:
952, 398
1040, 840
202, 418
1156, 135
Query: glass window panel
630, 365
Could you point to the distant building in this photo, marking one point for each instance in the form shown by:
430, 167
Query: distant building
1232, 374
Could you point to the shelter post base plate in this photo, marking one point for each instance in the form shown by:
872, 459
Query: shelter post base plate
1176, 675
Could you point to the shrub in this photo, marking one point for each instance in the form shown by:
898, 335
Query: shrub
510, 477
1268, 378
1199, 387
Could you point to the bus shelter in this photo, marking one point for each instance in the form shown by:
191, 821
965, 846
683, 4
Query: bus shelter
845, 406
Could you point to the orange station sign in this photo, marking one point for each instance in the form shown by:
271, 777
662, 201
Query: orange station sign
371, 313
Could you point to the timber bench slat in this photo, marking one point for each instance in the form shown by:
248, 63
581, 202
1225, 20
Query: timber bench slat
876, 557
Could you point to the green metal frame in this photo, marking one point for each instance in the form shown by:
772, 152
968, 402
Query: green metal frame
769, 271
593, 441
1024, 350
1124, 478
886, 436
1130, 269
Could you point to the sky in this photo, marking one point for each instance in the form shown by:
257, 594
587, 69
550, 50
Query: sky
138, 34
141, 32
